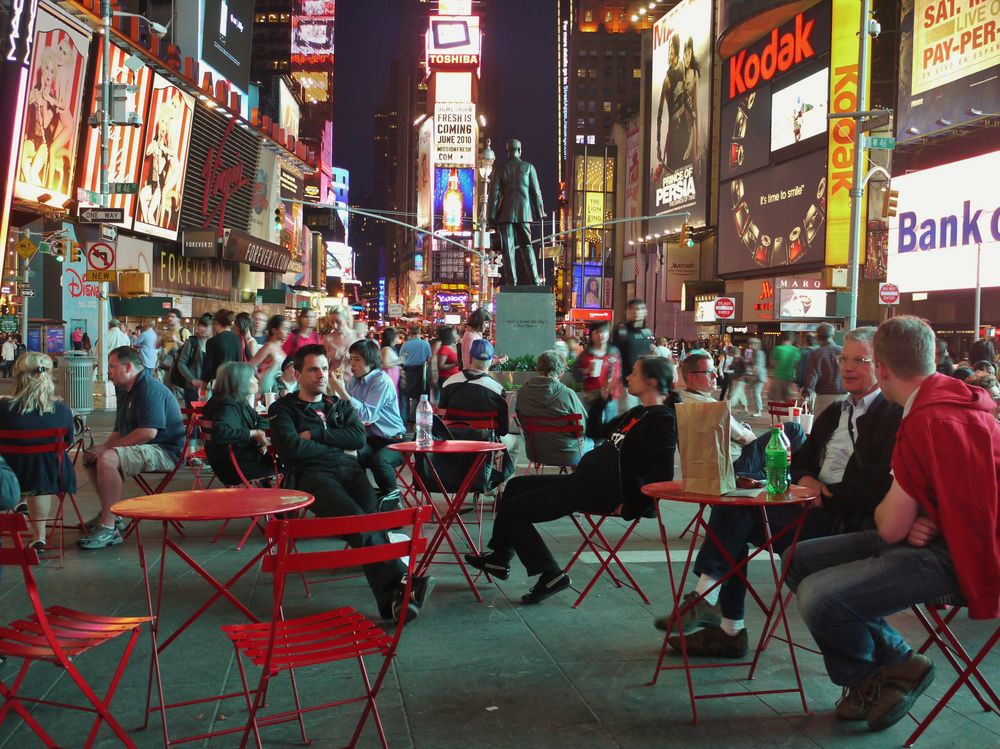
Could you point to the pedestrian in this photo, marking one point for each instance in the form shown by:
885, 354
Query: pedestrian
633, 339
756, 376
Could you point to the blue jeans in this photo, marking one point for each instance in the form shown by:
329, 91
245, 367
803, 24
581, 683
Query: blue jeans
847, 584
751, 461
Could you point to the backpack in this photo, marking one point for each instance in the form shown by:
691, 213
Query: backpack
174, 375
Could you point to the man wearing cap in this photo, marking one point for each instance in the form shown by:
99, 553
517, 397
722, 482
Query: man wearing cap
473, 389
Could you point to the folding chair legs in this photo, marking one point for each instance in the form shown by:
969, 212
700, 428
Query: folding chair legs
606, 553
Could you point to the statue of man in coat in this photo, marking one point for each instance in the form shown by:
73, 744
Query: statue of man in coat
516, 201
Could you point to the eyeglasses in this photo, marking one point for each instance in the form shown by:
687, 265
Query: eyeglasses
858, 361
704, 371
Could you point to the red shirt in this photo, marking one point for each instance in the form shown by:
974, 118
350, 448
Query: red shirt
607, 367
947, 457
450, 367
295, 342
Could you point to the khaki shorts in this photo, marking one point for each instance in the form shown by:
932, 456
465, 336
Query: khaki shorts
136, 459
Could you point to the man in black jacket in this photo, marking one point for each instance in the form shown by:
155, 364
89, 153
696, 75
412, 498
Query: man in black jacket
317, 437
187, 370
846, 459
224, 346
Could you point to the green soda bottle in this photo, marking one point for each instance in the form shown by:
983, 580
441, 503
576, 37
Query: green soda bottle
776, 463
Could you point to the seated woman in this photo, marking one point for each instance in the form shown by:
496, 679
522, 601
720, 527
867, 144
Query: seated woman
235, 424
373, 396
638, 450
33, 405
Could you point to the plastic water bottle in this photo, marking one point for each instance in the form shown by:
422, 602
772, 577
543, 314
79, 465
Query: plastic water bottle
425, 422
776, 463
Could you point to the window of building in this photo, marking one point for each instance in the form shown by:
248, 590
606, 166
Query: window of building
591, 106
581, 139
591, 140
621, 89
609, 53
593, 53
581, 53
607, 106
588, 16
593, 72
622, 53
607, 71
637, 72
592, 121
607, 123
581, 72
592, 89
580, 124
622, 72
580, 106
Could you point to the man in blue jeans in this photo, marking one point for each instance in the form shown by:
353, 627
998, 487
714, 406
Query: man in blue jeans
936, 534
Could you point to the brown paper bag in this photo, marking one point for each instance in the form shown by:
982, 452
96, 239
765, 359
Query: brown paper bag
703, 439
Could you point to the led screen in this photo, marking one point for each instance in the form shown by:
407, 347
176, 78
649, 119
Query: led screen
798, 111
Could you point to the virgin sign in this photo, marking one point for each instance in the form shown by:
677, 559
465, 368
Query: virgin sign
221, 182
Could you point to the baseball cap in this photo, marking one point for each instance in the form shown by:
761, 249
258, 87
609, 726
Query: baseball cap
481, 350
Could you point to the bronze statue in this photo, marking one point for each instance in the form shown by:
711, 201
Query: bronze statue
515, 201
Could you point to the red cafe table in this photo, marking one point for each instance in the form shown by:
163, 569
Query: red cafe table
673, 491
172, 508
480, 453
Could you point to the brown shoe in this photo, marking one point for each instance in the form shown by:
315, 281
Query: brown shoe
702, 614
898, 688
712, 642
857, 700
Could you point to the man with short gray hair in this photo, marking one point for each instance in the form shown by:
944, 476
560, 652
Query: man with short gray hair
935, 538
822, 379
546, 397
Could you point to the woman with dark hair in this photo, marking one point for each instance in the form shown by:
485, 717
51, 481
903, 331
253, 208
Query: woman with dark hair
390, 355
599, 367
477, 325
271, 354
244, 329
235, 423
373, 396
639, 449
447, 357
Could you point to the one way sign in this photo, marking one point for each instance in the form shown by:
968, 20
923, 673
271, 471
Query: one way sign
101, 215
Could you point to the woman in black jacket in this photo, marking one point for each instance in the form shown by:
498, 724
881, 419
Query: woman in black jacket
235, 424
639, 449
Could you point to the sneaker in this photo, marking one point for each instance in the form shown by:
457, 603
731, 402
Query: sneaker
389, 501
120, 523
419, 593
486, 563
545, 587
38, 545
712, 642
898, 688
100, 537
857, 701
21, 507
702, 614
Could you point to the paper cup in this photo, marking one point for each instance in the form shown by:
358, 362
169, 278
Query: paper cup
795, 414
269, 398
807, 422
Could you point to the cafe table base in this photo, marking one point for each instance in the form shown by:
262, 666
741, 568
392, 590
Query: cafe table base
192, 506
774, 609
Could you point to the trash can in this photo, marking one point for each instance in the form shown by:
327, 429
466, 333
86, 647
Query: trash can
77, 382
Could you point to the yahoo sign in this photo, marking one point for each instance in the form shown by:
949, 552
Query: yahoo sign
949, 220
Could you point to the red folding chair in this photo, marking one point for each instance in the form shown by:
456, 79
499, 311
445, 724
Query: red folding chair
533, 426
58, 636
274, 479
779, 411
936, 619
605, 551
341, 634
12, 443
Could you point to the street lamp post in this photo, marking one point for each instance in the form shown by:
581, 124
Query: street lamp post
486, 160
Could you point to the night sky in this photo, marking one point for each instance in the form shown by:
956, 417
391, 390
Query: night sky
519, 56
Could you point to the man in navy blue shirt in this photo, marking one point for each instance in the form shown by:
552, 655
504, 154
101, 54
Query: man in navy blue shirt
148, 436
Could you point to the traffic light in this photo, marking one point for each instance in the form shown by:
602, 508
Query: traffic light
685, 240
74, 252
59, 251
890, 200
279, 217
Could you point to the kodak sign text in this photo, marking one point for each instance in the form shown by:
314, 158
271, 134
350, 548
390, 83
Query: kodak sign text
780, 54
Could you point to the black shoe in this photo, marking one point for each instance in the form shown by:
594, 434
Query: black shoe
485, 563
419, 593
545, 587
713, 642
38, 545
389, 501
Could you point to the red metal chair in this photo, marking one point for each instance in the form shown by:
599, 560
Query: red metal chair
58, 636
274, 479
533, 426
780, 410
341, 634
936, 619
605, 551
12, 443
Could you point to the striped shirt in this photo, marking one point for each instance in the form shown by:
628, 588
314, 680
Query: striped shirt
823, 371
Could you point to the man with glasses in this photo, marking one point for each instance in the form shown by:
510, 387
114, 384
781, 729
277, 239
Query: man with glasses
846, 459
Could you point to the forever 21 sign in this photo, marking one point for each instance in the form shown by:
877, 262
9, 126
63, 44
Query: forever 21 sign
222, 163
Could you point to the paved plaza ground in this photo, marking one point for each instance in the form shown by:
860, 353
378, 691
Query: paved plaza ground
491, 674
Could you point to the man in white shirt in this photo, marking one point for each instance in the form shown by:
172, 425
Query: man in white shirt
846, 460
8, 351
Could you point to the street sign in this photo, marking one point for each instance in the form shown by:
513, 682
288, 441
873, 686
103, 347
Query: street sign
26, 249
874, 123
880, 143
100, 256
124, 188
109, 232
88, 195
725, 308
888, 293
100, 275
101, 215
26, 291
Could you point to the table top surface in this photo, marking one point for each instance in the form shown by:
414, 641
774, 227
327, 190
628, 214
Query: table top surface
453, 447
674, 491
212, 504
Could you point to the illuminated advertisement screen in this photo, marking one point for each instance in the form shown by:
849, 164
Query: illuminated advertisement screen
798, 111
949, 60
774, 217
52, 111
227, 37
424, 170
796, 304
453, 40
125, 145
315, 85
947, 216
454, 211
312, 36
165, 151
680, 110
746, 125
587, 285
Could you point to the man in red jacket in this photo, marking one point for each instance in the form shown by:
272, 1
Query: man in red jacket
937, 535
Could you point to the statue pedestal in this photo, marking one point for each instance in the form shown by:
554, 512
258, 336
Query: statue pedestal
525, 320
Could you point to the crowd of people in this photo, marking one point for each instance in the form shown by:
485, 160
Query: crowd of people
904, 457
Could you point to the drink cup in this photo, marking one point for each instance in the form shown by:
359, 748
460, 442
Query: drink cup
807, 423
269, 398
595, 367
795, 414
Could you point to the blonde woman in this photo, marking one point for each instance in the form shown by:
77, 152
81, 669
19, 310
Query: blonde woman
33, 405
340, 336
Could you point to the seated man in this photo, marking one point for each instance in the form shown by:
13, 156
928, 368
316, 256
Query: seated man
936, 534
314, 435
745, 448
545, 396
846, 459
371, 392
148, 436
473, 389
